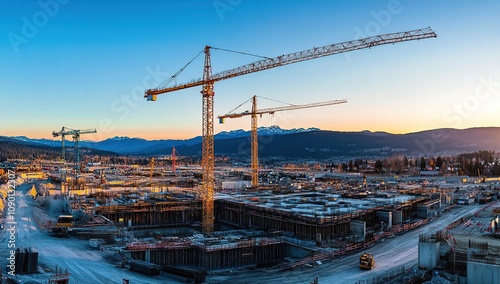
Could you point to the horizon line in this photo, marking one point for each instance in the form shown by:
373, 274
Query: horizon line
262, 127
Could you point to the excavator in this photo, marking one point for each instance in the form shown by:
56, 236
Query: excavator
366, 261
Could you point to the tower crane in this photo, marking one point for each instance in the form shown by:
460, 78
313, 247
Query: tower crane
174, 160
207, 91
254, 140
151, 171
62, 133
76, 138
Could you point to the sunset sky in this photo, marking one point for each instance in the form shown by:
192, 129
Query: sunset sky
86, 64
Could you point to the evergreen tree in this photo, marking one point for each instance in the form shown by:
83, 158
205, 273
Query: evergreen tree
422, 163
439, 162
378, 166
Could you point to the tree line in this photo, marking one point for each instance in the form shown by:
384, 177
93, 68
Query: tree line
11, 150
480, 163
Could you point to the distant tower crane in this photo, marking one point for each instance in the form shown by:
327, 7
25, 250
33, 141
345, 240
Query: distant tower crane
254, 140
174, 160
207, 91
76, 138
151, 171
62, 133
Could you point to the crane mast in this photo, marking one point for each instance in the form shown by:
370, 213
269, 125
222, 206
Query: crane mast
207, 158
254, 135
62, 133
208, 80
254, 149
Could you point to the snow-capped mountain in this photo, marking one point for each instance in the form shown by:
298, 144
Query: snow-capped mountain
46, 142
302, 143
271, 130
128, 145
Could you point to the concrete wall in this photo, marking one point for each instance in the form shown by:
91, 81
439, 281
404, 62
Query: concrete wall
397, 217
422, 211
358, 228
428, 254
482, 273
386, 217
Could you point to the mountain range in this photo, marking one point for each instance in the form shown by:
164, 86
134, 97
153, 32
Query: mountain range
305, 143
138, 146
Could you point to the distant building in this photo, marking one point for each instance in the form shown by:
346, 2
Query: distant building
429, 173
239, 184
33, 175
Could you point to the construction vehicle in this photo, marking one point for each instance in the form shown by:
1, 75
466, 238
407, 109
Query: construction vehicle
208, 81
255, 144
65, 221
366, 261
63, 226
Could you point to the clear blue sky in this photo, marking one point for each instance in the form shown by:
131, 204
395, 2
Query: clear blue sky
85, 64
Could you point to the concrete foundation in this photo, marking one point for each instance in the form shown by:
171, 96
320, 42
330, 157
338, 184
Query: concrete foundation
397, 217
428, 254
358, 229
218, 256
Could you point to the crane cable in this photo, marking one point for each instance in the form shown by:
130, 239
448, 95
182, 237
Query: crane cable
238, 106
231, 111
276, 101
240, 52
169, 80
165, 83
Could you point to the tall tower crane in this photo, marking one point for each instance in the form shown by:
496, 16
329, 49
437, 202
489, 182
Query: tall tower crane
76, 138
254, 140
207, 91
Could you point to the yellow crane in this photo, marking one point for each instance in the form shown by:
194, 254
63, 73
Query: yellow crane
254, 151
207, 91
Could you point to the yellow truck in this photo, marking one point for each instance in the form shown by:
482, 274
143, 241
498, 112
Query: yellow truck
65, 221
64, 224
366, 261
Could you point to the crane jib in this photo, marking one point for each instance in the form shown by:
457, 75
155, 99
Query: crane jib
300, 56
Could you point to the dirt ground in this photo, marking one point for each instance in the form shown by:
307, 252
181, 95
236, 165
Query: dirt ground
46, 209
477, 229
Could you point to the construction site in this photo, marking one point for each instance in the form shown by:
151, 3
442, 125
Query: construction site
199, 223
269, 228
261, 226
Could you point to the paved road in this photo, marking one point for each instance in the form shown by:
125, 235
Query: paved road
389, 254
